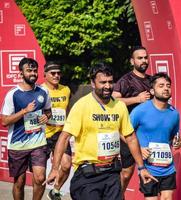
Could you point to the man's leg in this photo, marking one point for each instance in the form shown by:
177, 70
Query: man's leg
64, 171
38, 179
18, 164
167, 186
126, 175
38, 162
166, 195
66, 163
128, 165
18, 187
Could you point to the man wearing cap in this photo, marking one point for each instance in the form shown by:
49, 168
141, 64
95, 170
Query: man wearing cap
59, 95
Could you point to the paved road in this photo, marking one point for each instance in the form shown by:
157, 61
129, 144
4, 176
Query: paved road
5, 192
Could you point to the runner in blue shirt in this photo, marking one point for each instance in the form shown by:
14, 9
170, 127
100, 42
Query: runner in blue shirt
25, 112
156, 123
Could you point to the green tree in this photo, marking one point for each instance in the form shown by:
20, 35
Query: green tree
80, 33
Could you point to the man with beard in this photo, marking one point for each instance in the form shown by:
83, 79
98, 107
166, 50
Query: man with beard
97, 121
25, 111
157, 124
133, 88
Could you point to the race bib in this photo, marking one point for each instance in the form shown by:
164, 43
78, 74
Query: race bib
58, 117
108, 145
31, 123
161, 154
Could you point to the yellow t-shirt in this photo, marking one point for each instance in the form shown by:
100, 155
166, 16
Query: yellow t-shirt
59, 102
97, 129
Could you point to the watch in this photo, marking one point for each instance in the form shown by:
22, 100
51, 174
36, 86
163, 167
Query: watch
141, 168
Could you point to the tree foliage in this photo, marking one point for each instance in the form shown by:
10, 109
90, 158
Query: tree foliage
80, 33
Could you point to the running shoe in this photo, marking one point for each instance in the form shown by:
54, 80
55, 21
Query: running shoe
54, 196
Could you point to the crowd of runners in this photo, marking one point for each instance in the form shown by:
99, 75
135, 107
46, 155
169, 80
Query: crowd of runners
118, 128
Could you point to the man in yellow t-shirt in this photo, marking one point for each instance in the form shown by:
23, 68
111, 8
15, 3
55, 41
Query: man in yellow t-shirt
59, 95
97, 122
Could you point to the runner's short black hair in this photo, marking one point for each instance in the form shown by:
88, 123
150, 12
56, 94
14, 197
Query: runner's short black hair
29, 61
100, 68
135, 48
160, 75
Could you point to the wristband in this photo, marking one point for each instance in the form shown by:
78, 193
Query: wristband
24, 111
141, 168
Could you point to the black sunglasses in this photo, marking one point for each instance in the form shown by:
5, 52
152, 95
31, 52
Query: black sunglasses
54, 73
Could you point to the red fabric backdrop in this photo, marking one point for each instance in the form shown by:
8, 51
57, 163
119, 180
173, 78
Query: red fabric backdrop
160, 29
16, 41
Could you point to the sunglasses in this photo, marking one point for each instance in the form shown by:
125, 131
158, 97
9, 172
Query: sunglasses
54, 73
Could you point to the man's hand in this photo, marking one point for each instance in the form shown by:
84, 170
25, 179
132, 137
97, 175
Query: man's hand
176, 143
30, 107
143, 96
43, 119
53, 177
146, 152
146, 176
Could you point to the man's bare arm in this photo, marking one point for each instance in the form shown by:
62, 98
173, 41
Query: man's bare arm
134, 147
11, 119
60, 148
142, 97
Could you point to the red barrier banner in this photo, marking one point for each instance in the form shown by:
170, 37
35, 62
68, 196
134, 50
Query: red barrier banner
16, 41
160, 29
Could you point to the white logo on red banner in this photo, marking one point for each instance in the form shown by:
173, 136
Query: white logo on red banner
7, 5
3, 149
9, 65
154, 7
148, 30
19, 30
165, 63
169, 24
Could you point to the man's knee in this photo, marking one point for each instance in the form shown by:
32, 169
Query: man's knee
39, 175
39, 179
167, 195
20, 181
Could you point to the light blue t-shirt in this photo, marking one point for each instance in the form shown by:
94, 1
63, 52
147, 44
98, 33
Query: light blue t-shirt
158, 126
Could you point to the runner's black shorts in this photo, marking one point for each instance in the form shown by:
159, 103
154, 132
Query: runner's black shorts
51, 142
126, 157
153, 188
105, 186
